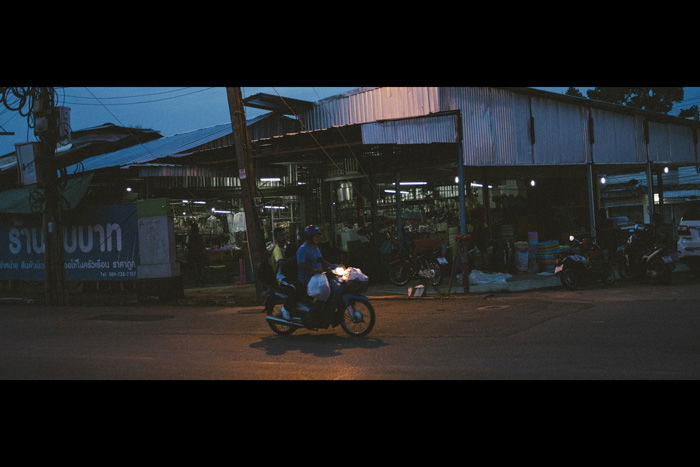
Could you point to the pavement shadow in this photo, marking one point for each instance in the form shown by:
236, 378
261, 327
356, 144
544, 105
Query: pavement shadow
318, 345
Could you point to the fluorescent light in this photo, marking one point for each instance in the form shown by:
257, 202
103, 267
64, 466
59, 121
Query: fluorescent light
456, 179
220, 212
199, 202
270, 179
665, 170
274, 207
478, 185
301, 183
394, 191
412, 183
184, 201
128, 188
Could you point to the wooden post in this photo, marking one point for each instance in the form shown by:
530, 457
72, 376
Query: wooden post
256, 242
54, 269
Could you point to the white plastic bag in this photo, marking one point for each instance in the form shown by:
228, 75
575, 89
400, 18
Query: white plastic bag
318, 287
477, 277
354, 274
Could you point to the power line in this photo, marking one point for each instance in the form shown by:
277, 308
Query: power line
119, 121
129, 97
306, 128
142, 102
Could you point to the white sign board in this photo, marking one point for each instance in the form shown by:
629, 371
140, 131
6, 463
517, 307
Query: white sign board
25, 162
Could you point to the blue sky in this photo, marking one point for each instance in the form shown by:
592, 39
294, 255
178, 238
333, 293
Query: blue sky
171, 110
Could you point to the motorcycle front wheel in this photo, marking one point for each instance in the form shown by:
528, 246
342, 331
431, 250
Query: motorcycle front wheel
358, 319
398, 273
437, 277
278, 328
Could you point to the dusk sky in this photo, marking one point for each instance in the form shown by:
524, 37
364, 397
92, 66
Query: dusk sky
172, 110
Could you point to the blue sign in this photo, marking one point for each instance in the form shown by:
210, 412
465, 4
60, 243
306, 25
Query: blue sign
99, 244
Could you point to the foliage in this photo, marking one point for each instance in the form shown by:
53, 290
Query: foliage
574, 92
659, 99
691, 112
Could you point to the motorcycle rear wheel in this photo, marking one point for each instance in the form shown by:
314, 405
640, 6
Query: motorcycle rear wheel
278, 328
568, 279
358, 326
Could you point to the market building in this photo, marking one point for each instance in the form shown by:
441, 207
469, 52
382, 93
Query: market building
376, 165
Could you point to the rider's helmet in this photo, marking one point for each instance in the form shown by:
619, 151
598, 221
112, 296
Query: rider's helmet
310, 231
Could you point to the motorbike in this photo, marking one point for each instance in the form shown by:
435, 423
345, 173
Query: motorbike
583, 263
345, 306
425, 266
645, 255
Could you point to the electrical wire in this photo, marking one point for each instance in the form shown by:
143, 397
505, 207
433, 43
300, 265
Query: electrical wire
100, 103
359, 165
122, 124
128, 97
119, 121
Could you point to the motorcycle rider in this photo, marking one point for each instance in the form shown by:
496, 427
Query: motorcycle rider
279, 246
310, 261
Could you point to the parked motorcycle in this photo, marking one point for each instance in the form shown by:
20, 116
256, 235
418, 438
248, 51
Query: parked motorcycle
645, 255
345, 306
583, 263
424, 266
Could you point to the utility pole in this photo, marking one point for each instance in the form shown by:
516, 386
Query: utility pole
46, 129
256, 242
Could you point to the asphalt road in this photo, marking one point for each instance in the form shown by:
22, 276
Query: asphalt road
630, 331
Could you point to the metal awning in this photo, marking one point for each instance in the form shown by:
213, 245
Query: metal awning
283, 105
27, 200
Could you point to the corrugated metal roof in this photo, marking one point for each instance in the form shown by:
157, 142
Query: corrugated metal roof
171, 146
494, 125
561, 132
670, 143
366, 105
618, 138
419, 130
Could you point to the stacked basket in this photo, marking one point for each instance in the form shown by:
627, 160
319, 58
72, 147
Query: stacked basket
521, 256
547, 253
